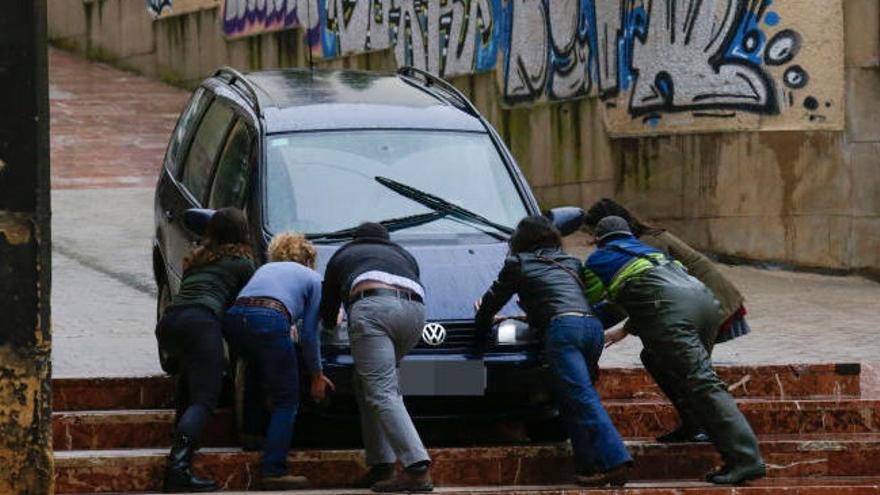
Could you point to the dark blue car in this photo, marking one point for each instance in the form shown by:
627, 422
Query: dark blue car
319, 152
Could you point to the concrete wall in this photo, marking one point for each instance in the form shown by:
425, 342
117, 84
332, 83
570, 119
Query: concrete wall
796, 181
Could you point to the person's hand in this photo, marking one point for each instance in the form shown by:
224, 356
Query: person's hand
477, 304
339, 317
615, 335
320, 382
294, 333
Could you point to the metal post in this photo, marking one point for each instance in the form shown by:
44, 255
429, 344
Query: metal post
25, 336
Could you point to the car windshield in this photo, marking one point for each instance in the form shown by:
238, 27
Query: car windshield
320, 182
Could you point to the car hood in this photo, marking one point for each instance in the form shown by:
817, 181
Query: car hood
454, 276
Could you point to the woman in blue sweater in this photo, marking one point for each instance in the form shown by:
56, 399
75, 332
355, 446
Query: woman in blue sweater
275, 311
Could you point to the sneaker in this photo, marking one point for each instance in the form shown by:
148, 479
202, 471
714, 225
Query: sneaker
411, 479
285, 482
739, 474
376, 473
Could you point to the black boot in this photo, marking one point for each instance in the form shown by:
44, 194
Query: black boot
178, 469
735, 475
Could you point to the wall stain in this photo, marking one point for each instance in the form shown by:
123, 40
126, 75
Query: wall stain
786, 148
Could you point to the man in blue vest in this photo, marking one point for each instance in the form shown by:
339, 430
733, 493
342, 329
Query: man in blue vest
670, 310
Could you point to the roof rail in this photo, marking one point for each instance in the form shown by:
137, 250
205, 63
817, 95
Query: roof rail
236, 76
431, 80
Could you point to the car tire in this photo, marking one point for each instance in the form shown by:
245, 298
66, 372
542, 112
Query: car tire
546, 430
163, 299
168, 361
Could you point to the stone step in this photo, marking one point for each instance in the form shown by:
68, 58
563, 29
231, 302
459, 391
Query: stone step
140, 470
770, 381
825, 486
651, 418
82, 430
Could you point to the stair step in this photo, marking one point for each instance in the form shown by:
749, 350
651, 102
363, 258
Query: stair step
79, 430
651, 418
824, 486
140, 470
771, 381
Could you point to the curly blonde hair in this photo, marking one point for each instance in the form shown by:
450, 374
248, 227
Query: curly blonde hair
292, 246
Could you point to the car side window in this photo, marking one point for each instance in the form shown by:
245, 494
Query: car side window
233, 169
205, 147
187, 121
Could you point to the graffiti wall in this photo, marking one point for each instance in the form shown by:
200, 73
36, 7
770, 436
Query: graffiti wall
658, 66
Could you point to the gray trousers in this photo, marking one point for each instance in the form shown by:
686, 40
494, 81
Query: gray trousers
382, 330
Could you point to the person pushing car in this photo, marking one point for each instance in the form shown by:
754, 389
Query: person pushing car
378, 282
669, 310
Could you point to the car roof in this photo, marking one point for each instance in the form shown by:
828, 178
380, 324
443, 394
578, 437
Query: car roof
306, 100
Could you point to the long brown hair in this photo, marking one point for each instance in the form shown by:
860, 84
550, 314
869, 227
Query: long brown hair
225, 236
606, 207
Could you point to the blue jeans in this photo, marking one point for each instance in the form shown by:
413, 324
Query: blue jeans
262, 336
573, 345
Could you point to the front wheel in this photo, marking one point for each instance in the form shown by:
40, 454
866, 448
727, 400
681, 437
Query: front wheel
167, 360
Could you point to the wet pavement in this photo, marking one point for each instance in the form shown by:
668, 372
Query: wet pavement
109, 132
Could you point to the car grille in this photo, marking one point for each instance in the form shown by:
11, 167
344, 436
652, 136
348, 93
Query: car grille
460, 336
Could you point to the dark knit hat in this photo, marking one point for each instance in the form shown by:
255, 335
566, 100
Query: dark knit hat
611, 225
371, 229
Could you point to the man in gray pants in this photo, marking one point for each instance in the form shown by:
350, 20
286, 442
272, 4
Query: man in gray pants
378, 282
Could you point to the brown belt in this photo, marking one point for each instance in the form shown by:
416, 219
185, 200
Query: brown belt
263, 302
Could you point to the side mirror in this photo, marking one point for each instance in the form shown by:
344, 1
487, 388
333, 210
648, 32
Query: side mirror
568, 219
196, 220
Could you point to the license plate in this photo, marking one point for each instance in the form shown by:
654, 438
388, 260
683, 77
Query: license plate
432, 378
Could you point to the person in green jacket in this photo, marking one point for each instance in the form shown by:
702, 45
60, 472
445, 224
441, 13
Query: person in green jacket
191, 331
733, 322
671, 311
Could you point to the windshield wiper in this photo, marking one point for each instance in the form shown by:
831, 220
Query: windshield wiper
441, 205
391, 224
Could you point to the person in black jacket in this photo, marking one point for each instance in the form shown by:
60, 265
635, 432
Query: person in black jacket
551, 292
378, 283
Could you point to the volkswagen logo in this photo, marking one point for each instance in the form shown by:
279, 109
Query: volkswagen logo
433, 334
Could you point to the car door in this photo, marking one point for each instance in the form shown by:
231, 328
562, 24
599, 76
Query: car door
191, 185
166, 188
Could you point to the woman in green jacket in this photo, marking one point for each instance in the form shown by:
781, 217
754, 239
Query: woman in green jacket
191, 330
733, 323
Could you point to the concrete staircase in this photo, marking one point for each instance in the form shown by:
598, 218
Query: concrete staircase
819, 431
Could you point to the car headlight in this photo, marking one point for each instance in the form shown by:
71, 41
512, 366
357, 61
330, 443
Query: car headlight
336, 336
513, 332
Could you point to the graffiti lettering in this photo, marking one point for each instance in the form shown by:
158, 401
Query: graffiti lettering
698, 44
242, 17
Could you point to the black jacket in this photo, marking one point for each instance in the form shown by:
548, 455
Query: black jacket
545, 289
355, 258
